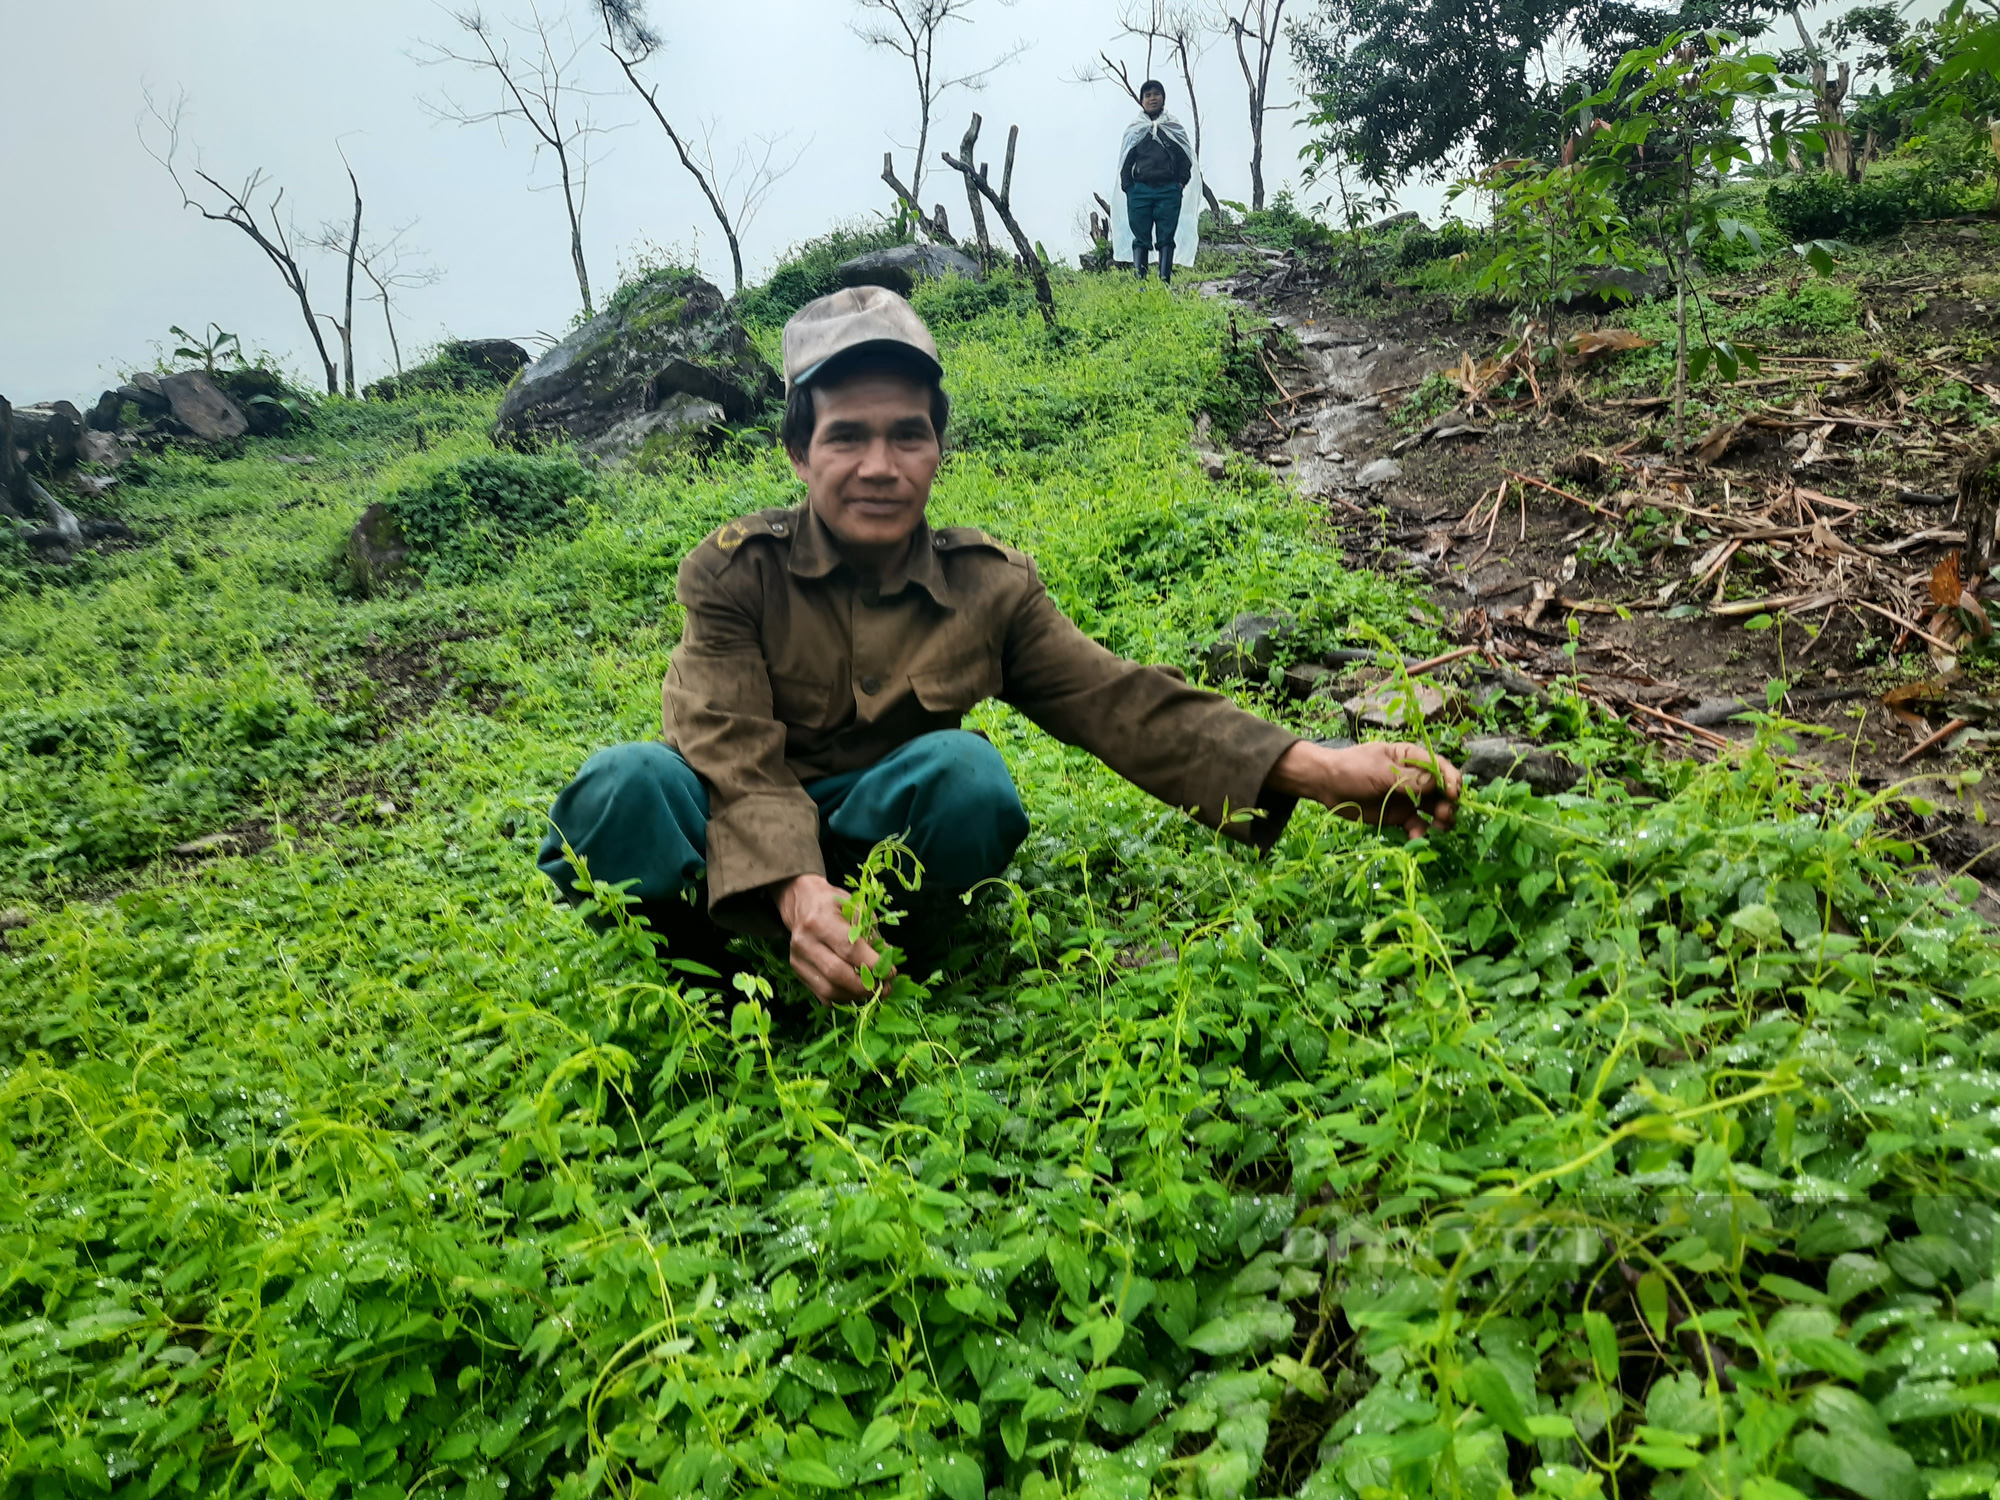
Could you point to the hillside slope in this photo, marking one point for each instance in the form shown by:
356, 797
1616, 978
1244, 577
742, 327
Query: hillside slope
347, 1163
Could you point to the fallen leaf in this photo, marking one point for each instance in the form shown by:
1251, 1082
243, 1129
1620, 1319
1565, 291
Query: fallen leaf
1593, 342
1946, 585
1718, 441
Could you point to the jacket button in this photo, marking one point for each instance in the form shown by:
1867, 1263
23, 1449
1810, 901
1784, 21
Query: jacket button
871, 685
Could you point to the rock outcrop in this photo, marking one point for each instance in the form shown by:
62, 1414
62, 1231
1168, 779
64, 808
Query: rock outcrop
199, 405
901, 267
459, 365
376, 550
623, 379
13, 476
503, 359
46, 434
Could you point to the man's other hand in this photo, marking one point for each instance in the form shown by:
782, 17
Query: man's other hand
821, 955
1383, 785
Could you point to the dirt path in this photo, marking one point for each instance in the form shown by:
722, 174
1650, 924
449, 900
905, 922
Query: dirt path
1649, 570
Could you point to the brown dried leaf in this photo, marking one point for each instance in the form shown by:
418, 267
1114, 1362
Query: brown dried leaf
1898, 700
1593, 342
1717, 441
1946, 585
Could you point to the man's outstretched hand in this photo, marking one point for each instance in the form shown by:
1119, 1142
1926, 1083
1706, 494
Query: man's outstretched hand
810, 907
1383, 785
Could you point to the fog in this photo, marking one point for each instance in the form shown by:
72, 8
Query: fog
99, 257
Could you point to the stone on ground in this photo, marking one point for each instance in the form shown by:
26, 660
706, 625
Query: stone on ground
901, 267
199, 405
677, 338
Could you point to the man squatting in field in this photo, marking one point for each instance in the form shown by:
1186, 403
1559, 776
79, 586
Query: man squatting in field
830, 651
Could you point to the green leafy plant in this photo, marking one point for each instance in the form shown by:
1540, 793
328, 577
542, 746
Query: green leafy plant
464, 519
1633, 1140
212, 348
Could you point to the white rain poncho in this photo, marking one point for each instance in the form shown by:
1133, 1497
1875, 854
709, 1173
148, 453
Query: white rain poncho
1189, 232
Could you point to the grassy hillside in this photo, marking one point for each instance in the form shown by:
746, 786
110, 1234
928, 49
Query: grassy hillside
1649, 1127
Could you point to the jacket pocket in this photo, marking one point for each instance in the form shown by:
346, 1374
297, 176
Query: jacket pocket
802, 702
957, 686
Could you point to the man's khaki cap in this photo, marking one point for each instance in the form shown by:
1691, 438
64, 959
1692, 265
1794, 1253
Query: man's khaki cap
852, 320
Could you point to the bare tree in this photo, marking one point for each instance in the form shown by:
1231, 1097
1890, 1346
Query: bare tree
383, 265
909, 28
1178, 32
1003, 203
536, 89
265, 227
1181, 32
1255, 25
734, 199
345, 327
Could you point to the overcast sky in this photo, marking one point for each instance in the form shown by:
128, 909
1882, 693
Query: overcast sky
99, 257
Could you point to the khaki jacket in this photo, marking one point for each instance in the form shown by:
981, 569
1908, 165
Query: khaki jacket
790, 669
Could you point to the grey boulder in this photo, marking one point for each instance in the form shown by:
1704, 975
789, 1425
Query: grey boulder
1378, 473
199, 405
901, 267
503, 359
46, 434
1500, 759
637, 441
143, 391
104, 416
13, 478
376, 551
101, 450
676, 338
1247, 647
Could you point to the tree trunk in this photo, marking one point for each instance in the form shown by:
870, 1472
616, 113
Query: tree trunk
965, 149
1256, 156
347, 318
1002, 202
575, 234
319, 343
1679, 266
395, 349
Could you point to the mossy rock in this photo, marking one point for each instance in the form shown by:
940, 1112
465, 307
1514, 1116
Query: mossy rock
659, 342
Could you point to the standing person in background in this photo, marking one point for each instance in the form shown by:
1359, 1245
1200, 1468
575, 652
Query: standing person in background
1160, 183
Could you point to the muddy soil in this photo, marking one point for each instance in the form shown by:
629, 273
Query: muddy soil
1619, 567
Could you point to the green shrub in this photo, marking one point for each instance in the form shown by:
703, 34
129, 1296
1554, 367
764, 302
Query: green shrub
272, 402
1283, 227
1419, 246
449, 369
1744, 202
464, 519
957, 299
1816, 307
645, 283
807, 271
1824, 207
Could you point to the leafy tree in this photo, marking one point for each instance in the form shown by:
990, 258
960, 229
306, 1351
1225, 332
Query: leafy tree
1677, 112
1401, 88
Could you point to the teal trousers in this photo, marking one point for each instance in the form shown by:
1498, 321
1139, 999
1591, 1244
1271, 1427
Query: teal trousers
638, 812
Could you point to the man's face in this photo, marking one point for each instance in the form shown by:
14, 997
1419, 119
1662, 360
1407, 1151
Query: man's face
1152, 102
873, 456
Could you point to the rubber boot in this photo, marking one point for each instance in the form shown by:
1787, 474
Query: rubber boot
1139, 261
1166, 268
